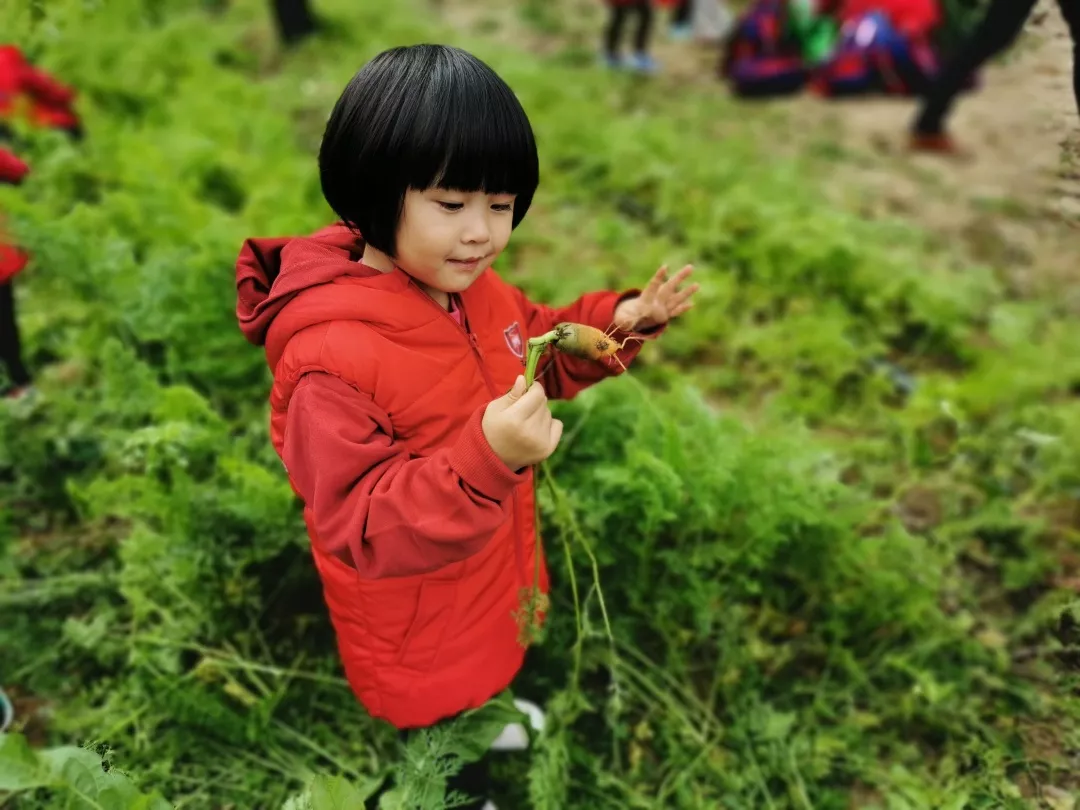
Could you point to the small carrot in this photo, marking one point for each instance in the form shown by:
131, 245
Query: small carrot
588, 342
577, 340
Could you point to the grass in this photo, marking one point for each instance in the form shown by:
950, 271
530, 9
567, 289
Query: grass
819, 551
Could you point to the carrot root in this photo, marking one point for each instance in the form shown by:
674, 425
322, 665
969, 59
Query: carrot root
577, 340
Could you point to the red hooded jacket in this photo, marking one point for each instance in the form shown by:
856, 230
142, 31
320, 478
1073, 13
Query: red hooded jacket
423, 538
12, 260
50, 101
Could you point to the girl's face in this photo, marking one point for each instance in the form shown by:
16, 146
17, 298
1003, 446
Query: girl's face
446, 239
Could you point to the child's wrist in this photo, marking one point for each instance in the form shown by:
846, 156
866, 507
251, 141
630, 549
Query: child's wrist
627, 315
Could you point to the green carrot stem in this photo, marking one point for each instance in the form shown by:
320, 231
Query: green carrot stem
536, 348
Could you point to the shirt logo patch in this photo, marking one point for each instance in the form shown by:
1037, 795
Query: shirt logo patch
512, 333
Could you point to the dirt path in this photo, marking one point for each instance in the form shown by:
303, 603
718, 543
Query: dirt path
1015, 205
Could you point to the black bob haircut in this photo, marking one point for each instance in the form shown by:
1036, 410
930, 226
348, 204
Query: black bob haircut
419, 117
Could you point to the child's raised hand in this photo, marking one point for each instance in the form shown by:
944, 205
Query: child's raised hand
660, 301
519, 426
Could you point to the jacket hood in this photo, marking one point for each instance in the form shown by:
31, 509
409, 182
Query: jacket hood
266, 280
286, 284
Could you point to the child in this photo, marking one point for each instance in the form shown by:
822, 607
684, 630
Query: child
621, 11
30, 93
12, 261
398, 404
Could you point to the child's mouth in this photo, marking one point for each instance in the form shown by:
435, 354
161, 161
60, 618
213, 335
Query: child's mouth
467, 264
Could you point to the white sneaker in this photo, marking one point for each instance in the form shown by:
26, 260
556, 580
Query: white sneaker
514, 737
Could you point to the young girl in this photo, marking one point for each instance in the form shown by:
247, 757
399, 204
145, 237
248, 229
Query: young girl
398, 404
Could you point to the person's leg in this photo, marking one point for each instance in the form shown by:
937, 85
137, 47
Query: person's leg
644, 28
998, 29
680, 18
372, 802
294, 20
10, 347
1070, 10
614, 31
474, 781
642, 61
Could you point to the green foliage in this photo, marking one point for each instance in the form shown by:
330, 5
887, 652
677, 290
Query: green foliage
816, 552
79, 778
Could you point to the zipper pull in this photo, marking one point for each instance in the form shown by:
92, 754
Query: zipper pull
475, 344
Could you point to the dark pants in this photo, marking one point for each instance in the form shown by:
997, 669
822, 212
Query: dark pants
10, 349
642, 9
997, 30
681, 16
474, 781
294, 20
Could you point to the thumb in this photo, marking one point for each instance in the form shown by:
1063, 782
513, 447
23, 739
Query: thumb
518, 389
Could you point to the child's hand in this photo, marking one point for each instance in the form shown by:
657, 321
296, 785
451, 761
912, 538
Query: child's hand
659, 302
520, 428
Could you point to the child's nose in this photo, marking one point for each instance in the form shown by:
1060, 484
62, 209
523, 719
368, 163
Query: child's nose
477, 230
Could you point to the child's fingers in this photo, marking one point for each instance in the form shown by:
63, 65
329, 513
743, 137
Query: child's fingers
685, 295
517, 389
531, 401
673, 283
536, 423
681, 276
681, 309
655, 283
674, 298
555, 434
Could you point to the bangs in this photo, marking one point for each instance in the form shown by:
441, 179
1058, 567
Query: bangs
470, 133
418, 117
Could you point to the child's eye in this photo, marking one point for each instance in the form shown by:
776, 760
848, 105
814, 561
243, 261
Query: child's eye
451, 206
503, 207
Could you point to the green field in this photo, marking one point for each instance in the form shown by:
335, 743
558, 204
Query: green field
820, 550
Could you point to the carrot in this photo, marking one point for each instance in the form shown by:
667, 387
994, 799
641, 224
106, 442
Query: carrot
577, 340
588, 343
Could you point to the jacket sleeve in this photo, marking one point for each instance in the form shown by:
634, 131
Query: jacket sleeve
45, 89
562, 375
12, 170
374, 505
